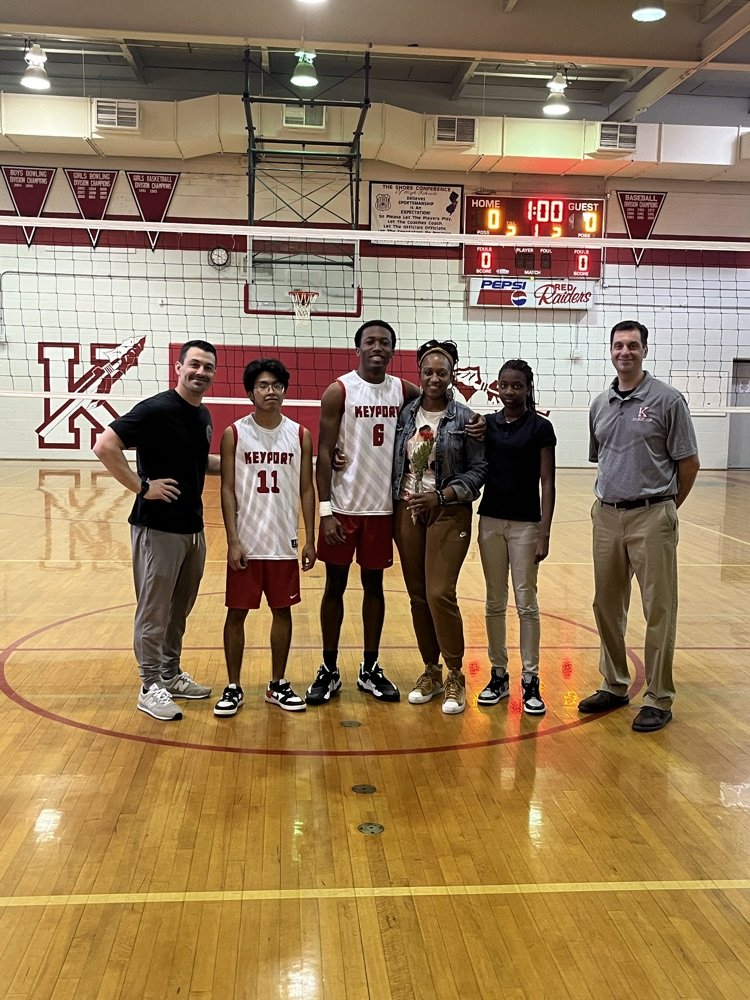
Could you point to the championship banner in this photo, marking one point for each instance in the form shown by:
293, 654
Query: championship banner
153, 194
92, 190
640, 210
28, 188
416, 208
530, 293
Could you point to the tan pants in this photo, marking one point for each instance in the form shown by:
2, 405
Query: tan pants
432, 552
505, 545
641, 542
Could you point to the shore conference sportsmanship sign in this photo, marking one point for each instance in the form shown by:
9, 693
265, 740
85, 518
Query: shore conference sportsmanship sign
528, 293
416, 208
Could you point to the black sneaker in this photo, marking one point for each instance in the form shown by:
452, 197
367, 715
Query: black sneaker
532, 701
375, 682
497, 689
325, 686
280, 693
231, 701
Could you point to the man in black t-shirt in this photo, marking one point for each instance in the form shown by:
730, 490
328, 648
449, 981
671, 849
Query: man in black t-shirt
171, 433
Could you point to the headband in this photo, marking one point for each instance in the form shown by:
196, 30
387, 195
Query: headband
438, 350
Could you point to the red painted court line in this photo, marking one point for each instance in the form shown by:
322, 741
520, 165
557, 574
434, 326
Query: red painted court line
13, 695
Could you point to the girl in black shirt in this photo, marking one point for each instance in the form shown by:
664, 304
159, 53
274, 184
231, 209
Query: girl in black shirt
514, 528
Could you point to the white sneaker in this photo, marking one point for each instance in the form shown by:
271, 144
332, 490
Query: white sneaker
183, 686
157, 703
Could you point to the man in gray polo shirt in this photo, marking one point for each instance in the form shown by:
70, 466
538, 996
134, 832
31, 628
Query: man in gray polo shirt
642, 438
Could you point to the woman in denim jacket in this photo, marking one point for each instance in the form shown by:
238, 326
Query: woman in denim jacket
438, 470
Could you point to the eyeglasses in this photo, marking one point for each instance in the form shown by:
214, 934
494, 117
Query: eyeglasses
265, 386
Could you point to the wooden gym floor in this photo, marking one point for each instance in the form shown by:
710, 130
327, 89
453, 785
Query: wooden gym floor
519, 858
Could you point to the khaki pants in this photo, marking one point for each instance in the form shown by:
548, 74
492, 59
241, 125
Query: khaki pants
432, 552
510, 545
641, 542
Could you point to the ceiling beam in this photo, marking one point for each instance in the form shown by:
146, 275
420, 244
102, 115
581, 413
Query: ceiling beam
727, 33
709, 10
462, 78
133, 59
321, 45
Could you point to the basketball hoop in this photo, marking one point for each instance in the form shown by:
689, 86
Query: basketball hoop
302, 300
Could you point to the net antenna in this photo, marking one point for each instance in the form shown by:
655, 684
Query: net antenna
302, 301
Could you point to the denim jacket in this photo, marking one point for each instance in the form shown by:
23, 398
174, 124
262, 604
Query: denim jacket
459, 458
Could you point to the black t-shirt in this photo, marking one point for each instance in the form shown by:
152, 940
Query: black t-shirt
514, 457
171, 438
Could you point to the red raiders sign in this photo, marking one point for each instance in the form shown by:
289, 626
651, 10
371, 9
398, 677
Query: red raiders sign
530, 293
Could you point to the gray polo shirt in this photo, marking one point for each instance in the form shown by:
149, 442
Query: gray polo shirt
637, 441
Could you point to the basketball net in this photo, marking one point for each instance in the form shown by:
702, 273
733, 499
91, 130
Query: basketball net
302, 300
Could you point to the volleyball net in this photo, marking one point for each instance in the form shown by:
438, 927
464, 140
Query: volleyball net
86, 330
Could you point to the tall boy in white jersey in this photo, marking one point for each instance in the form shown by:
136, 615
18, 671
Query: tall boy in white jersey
358, 417
266, 473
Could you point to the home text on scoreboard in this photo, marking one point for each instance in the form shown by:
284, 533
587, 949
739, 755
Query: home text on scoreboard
548, 217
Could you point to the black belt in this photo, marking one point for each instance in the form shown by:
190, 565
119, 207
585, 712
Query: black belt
634, 504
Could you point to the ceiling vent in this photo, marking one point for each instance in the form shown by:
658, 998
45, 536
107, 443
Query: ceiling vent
111, 114
447, 130
304, 116
615, 141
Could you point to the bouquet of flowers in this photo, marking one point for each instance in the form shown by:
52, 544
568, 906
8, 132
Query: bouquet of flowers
420, 460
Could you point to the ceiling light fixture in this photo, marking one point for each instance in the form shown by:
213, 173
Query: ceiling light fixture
35, 77
649, 10
556, 105
304, 74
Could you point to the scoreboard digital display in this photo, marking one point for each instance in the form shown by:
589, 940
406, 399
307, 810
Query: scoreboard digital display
546, 217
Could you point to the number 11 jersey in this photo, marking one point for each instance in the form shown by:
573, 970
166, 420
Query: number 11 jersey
266, 487
367, 436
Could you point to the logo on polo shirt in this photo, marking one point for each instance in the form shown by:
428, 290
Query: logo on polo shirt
643, 414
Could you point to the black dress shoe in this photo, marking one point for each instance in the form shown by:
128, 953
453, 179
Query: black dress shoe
602, 701
650, 720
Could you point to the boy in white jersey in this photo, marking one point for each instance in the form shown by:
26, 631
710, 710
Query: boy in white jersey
266, 473
358, 417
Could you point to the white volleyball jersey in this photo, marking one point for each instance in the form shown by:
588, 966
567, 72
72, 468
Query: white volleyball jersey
266, 487
367, 436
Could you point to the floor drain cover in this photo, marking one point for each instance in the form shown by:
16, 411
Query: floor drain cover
350, 723
371, 828
364, 789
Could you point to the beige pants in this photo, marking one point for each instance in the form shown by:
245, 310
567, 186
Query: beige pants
505, 545
641, 542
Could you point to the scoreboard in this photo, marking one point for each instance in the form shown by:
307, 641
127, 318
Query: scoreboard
547, 217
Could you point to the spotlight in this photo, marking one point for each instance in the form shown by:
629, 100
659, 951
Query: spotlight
556, 105
649, 10
304, 75
35, 77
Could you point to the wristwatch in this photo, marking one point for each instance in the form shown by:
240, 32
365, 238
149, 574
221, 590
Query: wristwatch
145, 487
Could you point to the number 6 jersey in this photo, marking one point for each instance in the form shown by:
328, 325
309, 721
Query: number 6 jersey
266, 487
367, 435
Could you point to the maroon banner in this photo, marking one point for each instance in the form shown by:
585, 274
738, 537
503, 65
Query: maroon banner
152, 193
640, 210
92, 190
28, 188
